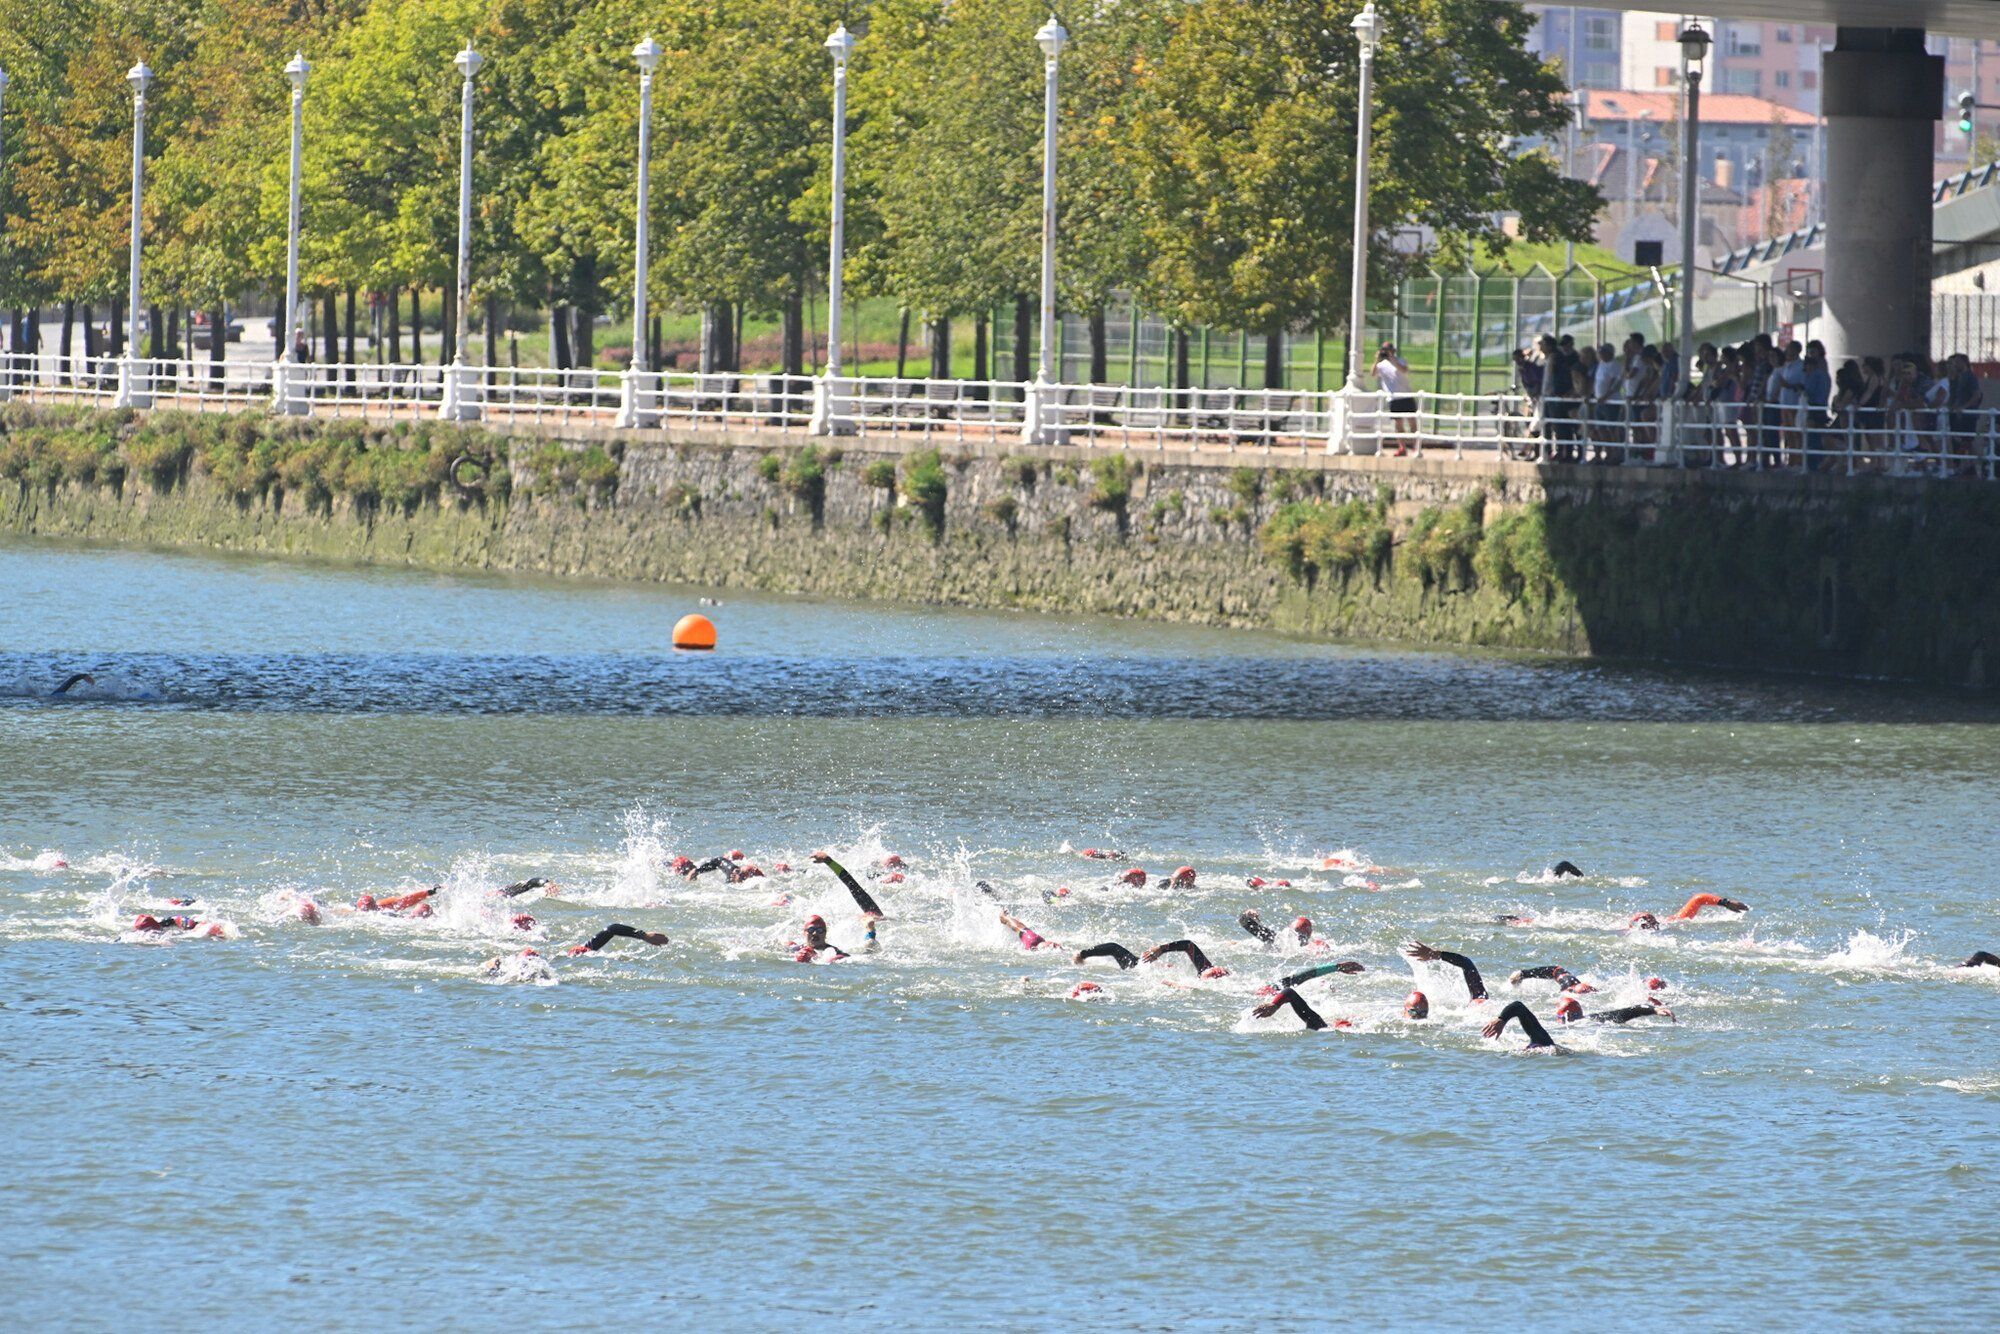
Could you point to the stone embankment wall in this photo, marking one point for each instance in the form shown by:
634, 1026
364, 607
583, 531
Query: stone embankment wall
1856, 576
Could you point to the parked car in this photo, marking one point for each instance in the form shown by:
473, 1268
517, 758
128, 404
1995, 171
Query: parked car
232, 331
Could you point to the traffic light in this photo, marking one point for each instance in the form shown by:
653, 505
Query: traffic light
1965, 105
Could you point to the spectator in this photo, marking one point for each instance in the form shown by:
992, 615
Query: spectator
1392, 373
1818, 386
1606, 394
1965, 399
1670, 372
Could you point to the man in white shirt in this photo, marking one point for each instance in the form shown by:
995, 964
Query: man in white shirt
1392, 373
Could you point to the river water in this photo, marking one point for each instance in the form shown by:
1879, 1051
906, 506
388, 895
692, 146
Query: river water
355, 1123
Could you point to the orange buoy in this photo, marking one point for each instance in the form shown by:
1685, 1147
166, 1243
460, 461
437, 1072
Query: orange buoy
694, 631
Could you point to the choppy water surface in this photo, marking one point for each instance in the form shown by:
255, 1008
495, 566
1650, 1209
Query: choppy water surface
354, 1123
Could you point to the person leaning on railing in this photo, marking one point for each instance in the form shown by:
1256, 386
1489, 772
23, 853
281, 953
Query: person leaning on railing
1964, 400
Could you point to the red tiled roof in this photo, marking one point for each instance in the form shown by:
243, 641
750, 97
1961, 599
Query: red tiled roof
1663, 108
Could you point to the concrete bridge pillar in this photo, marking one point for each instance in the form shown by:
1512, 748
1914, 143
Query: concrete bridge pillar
1882, 92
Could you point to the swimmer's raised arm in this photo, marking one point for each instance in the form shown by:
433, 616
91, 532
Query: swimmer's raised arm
520, 887
1110, 949
76, 679
1306, 1013
1474, 987
1323, 970
1982, 959
615, 931
1254, 924
862, 900
1626, 1014
1552, 972
1699, 901
1187, 947
1517, 1012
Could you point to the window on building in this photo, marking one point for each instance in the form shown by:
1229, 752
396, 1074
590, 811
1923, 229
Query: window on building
1748, 82
1600, 32
1666, 32
1809, 79
1649, 254
1783, 78
1782, 31
1664, 76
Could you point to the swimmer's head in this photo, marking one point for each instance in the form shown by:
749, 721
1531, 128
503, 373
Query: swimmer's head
683, 863
1184, 876
531, 953
1656, 984
366, 903
1568, 1010
1133, 875
736, 854
1256, 882
1302, 926
145, 921
1417, 1006
308, 911
892, 861
1082, 989
893, 878
815, 930
1214, 973
1644, 921
521, 921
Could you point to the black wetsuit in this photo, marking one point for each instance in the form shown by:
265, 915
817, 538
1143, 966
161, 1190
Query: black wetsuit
1553, 972
1626, 1014
1307, 975
612, 932
520, 887
730, 870
1187, 947
1254, 924
1305, 1012
1473, 986
1566, 871
861, 896
1110, 949
1519, 1013
1982, 959
70, 684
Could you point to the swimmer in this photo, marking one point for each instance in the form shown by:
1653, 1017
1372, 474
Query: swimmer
1564, 979
1475, 988
1513, 919
1643, 921
816, 941
1251, 922
1299, 979
1101, 855
862, 899
1982, 959
1182, 878
416, 904
1111, 950
1201, 963
1031, 939
613, 932
1307, 1015
733, 870
1517, 1012
1569, 1010
1566, 871
520, 887
151, 925
1700, 901
76, 679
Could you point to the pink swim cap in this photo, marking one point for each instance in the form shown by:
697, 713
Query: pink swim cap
1184, 875
892, 860
1133, 875
1417, 1006
893, 878
1302, 924
366, 903
1569, 1008
522, 922
1256, 882
1656, 984
736, 854
682, 863
815, 920
1083, 989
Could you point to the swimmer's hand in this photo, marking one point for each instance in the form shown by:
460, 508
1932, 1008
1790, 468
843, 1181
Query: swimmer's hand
1416, 949
822, 857
1492, 1030
1268, 1008
1349, 966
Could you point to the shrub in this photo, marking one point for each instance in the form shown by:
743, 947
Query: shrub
924, 487
682, 499
805, 478
1308, 536
1514, 556
1246, 484
1019, 472
881, 474
1443, 542
1113, 489
1005, 511
160, 452
769, 467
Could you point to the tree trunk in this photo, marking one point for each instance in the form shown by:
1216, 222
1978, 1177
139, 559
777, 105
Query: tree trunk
492, 334
395, 317
117, 327
174, 352
329, 332
34, 343
654, 346
1100, 352
941, 348
583, 338
17, 336
156, 333
67, 342
1180, 337
792, 334
1024, 353
736, 336
91, 350
979, 357
416, 325
1274, 359
715, 328
352, 364
448, 326
218, 342
903, 345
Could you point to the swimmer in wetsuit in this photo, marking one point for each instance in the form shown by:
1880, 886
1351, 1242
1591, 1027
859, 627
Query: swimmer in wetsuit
817, 943
733, 871
1299, 979
1031, 939
1474, 987
1288, 997
1252, 923
1194, 953
1569, 1010
1519, 1013
76, 679
1111, 950
862, 899
1566, 870
1564, 979
520, 887
615, 931
1982, 959
1700, 901
146, 922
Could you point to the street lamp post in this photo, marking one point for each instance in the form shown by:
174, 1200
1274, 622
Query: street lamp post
285, 388
825, 421
1368, 33
458, 404
631, 409
6, 365
133, 391
1051, 37
1694, 48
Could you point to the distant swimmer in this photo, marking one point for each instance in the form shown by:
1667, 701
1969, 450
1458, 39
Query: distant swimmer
616, 931
1182, 878
1982, 959
1474, 988
1299, 979
1030, 938
1288, 997
1202, 966
415, 904
1111, 950
862, 899
1252, 923
1517, 1012
733, 869
1566, 871
1569, 1010
1643, 921
1102, 855
1700, 901
815, 944
1564, 979
76, 679
150, 925
520, 887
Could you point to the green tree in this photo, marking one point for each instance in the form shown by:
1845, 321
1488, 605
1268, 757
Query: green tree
1242, 151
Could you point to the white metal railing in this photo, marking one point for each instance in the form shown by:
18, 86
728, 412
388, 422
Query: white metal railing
1897, 442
